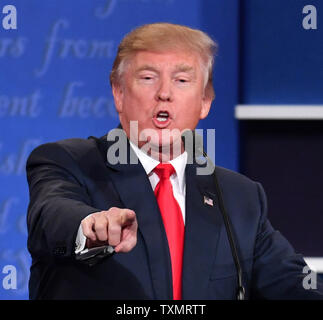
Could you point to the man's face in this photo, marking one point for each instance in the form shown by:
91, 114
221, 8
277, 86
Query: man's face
162, 91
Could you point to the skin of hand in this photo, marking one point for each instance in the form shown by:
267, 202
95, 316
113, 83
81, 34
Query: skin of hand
116, 227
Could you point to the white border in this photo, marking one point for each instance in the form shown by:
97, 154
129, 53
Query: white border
315, 263
279, 112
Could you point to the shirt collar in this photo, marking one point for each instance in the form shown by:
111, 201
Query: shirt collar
149, 164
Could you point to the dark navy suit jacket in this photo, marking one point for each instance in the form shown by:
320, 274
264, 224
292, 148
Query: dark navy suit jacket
71, 178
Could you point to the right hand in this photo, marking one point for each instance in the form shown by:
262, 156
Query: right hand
116, 227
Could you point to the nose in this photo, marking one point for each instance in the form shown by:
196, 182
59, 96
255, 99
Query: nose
164, 92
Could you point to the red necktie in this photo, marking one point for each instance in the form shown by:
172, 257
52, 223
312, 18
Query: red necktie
173, 223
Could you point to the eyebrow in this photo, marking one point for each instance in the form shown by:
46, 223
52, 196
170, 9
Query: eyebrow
184, 68
178, 68
146, 67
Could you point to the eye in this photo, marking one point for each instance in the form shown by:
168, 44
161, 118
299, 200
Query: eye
146, 77
182, 80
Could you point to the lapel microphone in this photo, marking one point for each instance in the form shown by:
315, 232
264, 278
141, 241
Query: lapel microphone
197, 149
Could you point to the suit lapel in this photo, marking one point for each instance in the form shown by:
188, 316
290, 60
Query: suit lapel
202, 225
202, 230
133, 185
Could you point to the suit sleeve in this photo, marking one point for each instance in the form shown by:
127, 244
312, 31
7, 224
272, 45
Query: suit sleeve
278, 271
58, 201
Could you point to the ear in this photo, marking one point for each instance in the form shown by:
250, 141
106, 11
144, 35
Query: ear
118, 97
206, 106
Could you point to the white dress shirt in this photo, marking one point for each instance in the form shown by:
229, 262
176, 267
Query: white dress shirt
177, 180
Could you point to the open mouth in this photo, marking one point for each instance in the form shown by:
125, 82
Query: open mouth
162, 116
162, 119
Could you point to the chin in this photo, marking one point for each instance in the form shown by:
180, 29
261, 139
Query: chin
158, 139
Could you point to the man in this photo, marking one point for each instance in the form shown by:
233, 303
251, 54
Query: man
161, 217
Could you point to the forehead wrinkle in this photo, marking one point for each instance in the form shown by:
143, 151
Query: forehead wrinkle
181, 67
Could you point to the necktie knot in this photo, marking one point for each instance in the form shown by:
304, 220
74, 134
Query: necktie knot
164, 170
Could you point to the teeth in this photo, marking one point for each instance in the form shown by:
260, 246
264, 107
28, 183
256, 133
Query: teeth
163, 114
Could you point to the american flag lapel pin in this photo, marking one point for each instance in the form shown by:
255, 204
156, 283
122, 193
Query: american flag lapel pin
208, 201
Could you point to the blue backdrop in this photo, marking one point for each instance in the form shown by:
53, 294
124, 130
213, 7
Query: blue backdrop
281, 61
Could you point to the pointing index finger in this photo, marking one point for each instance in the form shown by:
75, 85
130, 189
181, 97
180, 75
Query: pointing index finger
127, 217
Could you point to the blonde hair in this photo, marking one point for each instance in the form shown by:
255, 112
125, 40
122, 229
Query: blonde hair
161, 37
